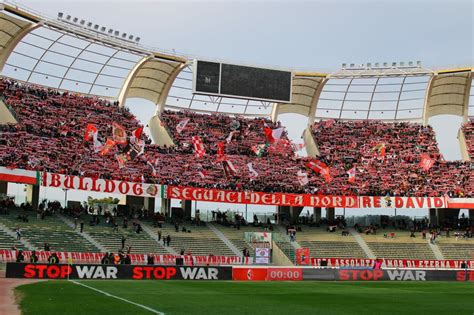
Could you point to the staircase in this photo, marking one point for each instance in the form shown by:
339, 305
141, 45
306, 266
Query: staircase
436, 250
12, 234
83, 234
224, 239
154, 236
362, 243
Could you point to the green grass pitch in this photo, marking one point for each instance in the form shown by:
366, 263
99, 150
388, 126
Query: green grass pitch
226, 297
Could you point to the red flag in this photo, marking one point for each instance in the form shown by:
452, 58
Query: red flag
426, 162
220, 149
273, 135
137, 133
90, 131
316, 165
352, 175
326, 174
119, 134
107, 147
229, 169
302, 256
198, 147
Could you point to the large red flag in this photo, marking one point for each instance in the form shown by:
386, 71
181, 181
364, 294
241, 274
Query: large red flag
426, 162
90, 131
302, 256
107, 147
316, 165
199, 150
119, 134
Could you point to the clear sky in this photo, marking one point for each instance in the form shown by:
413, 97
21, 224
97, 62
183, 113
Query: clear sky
309, 35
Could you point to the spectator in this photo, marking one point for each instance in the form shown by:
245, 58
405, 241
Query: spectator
20, 257
34, 258
53, 259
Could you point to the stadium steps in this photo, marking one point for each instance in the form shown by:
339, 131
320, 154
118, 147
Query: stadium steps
147, 229
237, 237
282, 231
368, 252
402, 250
140, 243
8, 239
436, 250
48, 230
461, 250
201, 240
224, 239
323, 244
84, 234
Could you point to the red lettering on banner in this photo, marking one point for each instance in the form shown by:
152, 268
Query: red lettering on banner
95, 187
137, 189
109, 186
55, 180
366, 202
419, 201
45, 179
438, 202
410, 203
123, 187
377, 200
398, 202
29, 271
82, 185
69, 182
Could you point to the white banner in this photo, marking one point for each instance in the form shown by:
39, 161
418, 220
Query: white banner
262, 255
101, 185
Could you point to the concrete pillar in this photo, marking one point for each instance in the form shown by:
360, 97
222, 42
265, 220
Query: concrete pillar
3, 188
186, 205
284, 213
471, 215
317, 214
32, 195
295, 213
330, 214
165, 207
149, 204
449, 216
432, 216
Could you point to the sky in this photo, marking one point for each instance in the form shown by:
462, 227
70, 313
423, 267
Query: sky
303, 35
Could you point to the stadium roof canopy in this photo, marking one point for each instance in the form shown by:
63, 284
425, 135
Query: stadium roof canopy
54, 53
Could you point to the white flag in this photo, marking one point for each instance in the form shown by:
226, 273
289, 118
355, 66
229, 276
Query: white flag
252, 173
302, 178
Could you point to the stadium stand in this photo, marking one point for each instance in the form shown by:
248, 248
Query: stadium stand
49, 230
324, 244
394, 172
468, 129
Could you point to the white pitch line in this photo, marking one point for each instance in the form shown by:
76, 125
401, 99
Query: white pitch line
119, 298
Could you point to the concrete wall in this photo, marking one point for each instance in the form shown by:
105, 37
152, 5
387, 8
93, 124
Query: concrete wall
279, 258
158, 132
311, 146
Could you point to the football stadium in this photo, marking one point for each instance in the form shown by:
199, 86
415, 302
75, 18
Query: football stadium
304, 158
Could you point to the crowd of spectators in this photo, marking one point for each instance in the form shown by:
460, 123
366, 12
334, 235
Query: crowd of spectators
468, 130
49, 136
397, 171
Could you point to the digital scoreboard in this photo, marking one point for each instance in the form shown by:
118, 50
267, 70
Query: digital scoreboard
221, 79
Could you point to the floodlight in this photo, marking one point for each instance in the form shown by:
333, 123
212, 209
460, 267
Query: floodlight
418, 63
68, 17
103, 29
137, 39
344, 66
410, 63
130, 37
124, 35
402, 63
376, 65
96, 27
82, 22
111, 31
351, 65
385, 64
60, 15
369, 65
117, 33
394, 64
89, 24
75, 20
